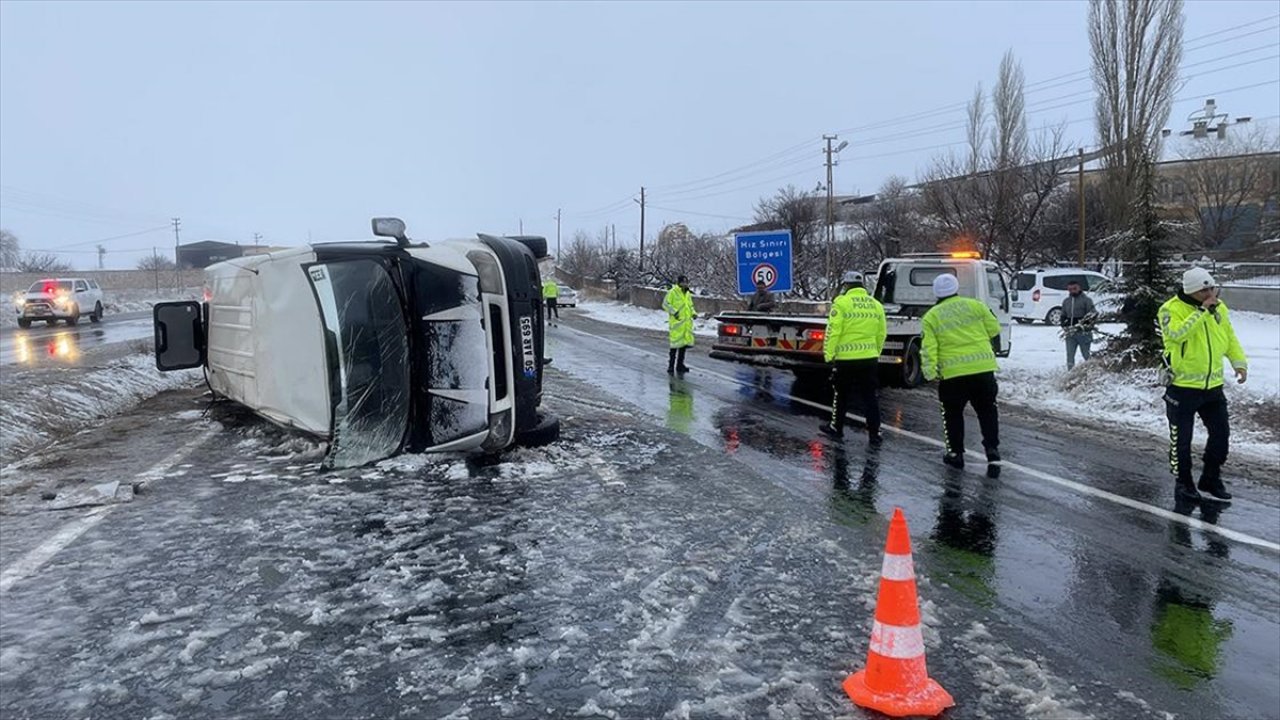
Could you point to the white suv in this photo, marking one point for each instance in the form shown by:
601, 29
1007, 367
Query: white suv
1038, 294
60, 299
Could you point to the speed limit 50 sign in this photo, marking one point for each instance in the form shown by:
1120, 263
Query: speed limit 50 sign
764, 257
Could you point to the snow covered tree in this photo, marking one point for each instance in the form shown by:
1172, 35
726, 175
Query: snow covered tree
1147, 281
10, 250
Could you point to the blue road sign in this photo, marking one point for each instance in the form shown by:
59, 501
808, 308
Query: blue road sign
764, 256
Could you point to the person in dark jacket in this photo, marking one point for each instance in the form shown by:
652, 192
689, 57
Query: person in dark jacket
1078, 314
762, 300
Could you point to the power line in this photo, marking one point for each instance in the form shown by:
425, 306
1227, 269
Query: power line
702, 214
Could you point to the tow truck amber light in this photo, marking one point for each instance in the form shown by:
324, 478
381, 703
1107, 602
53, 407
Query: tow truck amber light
970, 255
815, 334
730, 329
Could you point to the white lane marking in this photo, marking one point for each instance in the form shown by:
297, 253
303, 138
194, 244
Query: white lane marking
898, 567
896, 641
1159, 512
29, 564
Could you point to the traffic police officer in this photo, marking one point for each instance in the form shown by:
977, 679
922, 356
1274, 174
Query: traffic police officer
679, 306
854, 340
1197, 333
958, 346
551, 296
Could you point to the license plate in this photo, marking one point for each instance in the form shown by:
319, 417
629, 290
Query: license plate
526, 344
1017, 305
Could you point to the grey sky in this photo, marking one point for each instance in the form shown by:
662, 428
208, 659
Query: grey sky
295, 118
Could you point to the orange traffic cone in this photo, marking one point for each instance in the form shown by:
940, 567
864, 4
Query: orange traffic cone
896, 681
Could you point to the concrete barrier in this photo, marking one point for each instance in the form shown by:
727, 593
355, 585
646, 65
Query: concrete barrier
1253, 298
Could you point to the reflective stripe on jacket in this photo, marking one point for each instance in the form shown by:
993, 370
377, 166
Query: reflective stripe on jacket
956, 339
856, 327
1196, 340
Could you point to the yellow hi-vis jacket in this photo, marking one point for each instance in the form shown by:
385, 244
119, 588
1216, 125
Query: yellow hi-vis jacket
956, 339
1196, 340
550, 289
856, 327
679, 307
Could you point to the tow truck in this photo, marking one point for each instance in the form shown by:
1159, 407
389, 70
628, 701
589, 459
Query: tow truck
903, 285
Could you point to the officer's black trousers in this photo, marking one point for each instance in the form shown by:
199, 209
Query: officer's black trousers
978, 390
1182, 405
856, 379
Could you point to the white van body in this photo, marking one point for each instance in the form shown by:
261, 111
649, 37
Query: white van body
377, 347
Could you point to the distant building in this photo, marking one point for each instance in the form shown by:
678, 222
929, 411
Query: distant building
207, 252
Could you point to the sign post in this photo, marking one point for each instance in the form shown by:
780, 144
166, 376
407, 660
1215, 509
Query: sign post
764, 256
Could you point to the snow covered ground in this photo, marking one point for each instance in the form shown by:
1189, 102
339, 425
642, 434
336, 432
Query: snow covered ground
633, 316
45, 403
1035, 375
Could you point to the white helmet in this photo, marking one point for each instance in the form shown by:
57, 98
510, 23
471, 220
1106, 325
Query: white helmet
852, 277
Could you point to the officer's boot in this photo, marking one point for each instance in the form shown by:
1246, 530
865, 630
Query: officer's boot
1212, 485
671, 361
1185, 490
680, 366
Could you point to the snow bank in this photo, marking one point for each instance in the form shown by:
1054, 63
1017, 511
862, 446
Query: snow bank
1035, 375
42, 404
632, 316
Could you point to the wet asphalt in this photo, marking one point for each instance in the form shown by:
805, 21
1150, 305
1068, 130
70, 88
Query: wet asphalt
44, 345
692, 547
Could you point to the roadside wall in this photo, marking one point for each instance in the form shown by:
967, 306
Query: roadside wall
110, 280
1252, 298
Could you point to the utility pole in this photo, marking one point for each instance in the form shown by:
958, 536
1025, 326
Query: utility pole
256, 238
155, 266
1080, 192
102, 254
177, 263
613, 230
831, 218
641, 201
521, 226
557, 233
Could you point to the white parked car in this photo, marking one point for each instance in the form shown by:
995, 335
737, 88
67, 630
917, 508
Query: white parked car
1038, 294
378, 347
568, 297
60, 299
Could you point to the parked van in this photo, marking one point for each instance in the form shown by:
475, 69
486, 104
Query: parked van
378, 347
1038, 294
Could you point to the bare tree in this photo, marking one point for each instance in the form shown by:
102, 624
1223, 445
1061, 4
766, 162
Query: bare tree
156, 263
1009, 111
10, 250
994, 199
581, 257
976, 134
38, 262
1227, 182
888, 226
1136, 47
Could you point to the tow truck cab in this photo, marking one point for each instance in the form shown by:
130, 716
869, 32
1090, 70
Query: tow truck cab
378, 347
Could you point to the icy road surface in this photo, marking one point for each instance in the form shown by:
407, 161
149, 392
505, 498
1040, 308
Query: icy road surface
690, 548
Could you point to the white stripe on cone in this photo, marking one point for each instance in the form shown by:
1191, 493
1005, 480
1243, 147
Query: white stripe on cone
898, 567
897, 642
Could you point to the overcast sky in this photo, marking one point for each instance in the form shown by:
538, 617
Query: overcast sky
299, 120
